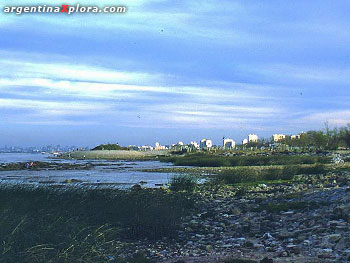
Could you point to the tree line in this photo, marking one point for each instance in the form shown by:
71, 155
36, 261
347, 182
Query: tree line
328, 139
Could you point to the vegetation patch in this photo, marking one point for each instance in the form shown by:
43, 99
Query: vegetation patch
83, 225
250, 174
285, 206
183, 183
109, 147
210, 160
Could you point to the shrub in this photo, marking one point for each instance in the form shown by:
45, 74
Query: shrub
183, 183
316, 169
238, 175
109, 147
248, 174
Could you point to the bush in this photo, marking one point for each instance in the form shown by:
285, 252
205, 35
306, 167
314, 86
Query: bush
238, 175
109, 147
316, 169
183, 183
248, 174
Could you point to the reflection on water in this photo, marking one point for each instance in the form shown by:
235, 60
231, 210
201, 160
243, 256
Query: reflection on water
114, 173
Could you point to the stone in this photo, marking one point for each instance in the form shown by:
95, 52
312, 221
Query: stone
343, 212
136, 187
266, 260
334, 237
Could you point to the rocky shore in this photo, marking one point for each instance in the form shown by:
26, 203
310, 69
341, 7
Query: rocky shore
37, 166
305, 221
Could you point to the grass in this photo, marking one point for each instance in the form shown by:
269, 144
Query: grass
251, 175
183, 183
114, 155
211, 160
83, 225
285, 206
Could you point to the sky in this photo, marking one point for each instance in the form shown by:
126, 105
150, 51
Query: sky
172, 71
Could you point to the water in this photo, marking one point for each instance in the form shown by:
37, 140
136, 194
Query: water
121, 174
22, 157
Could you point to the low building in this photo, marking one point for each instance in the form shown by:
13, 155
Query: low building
245, 141
159, 147
194, 144
229, 143
206, 144
278, 137
253, 138
146, 148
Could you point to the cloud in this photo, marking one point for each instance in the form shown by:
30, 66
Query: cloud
306, 74
51, 92
53, 108
332, 117
24, 69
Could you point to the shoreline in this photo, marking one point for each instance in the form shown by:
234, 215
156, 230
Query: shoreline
113, 155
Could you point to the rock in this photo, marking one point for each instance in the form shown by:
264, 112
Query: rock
334, 237
343, 212
267, 236
266, 260
136, 187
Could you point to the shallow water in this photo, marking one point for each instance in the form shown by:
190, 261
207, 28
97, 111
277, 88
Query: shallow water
121, 174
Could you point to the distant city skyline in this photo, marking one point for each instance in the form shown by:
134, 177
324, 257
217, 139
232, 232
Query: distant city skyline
168, 71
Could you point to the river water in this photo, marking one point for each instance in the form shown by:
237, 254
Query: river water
120, 174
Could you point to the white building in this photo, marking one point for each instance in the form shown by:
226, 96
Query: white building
206, 144
159, 147
278, 137
194, 144
253, 138
229, 143
146, 148
245, 141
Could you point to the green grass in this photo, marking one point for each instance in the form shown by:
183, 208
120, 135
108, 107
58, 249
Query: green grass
83, 225
211, 160
254, 175
285, 206
183, 183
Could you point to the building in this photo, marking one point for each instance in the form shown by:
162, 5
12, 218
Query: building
253, 138
194, 144
245, 141
159, 147
206, 144
146, 148
278, 137
229, 143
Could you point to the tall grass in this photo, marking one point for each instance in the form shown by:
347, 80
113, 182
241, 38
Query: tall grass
83, 225
250, 174
210, 160
183, 183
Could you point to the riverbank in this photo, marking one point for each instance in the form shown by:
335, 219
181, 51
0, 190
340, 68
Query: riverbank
286, 211
40, 166
302, 220
114, 155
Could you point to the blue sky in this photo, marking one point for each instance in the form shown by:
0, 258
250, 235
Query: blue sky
168, 71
